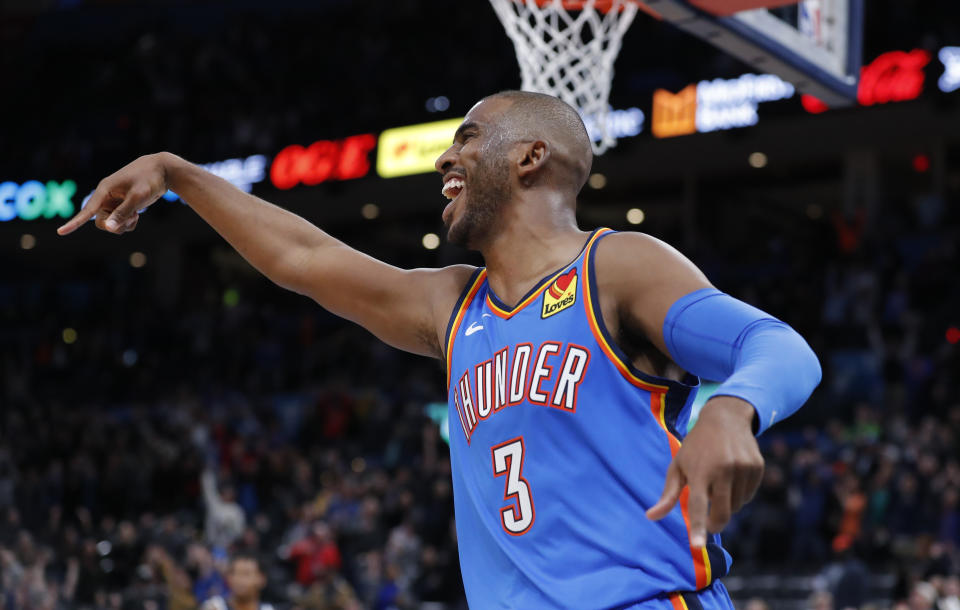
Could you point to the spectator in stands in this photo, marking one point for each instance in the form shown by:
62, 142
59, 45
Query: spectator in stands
315, 554
225, 518
246, 581
208, 580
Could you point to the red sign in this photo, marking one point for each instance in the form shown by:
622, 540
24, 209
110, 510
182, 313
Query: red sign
896, 76
322, 161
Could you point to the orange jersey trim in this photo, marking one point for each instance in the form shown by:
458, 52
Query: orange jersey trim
458, 318
678, 603
506, 315
622, 366
658, 407
701, 561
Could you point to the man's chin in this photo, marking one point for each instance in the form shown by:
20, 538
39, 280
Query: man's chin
458, 234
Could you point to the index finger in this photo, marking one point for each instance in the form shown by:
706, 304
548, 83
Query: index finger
86, 213
697, 503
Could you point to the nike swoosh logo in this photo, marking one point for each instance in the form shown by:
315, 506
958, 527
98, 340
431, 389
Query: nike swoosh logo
472, 329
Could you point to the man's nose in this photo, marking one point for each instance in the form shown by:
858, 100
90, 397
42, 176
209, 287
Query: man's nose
445, 161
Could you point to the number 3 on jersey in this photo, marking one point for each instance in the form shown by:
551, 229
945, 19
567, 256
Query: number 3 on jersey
508, 460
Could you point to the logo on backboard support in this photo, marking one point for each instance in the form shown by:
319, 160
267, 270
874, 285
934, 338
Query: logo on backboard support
561, 294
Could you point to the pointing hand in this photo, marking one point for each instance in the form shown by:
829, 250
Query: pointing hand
120, 197
721, 463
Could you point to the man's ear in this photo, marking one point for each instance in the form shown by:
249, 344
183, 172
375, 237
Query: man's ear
533, 156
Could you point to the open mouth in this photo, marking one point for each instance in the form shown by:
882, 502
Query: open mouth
453, 187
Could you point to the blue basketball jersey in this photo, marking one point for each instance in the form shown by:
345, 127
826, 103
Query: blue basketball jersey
558, 446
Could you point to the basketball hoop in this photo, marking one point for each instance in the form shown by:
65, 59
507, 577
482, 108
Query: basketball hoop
566, 48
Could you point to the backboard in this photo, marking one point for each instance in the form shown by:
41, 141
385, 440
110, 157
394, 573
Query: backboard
813, 44
567, 48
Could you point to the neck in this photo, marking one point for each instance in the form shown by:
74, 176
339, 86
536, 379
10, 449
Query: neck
535, 237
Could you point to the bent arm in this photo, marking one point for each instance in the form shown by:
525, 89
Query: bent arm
661, 294
759, 359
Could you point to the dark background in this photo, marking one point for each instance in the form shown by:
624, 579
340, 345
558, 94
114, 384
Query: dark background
194, 362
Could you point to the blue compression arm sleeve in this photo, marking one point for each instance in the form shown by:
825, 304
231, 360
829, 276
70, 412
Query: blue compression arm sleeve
757, 357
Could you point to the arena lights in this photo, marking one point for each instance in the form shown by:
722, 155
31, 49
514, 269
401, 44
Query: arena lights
431, 241
231, 297
757, 160
620, 124
716, 104
895, 76
414, 149
34, 199
323, 160
138, 260
635, 216
242, 173
129, 357
440, 103
370, 211
674, 114
724, 104
950, 80
597, 181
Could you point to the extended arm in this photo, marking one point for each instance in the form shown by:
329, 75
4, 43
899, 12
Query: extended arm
211, 497
405, 308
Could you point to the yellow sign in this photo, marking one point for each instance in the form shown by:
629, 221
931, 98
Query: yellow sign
674, 114
403, 151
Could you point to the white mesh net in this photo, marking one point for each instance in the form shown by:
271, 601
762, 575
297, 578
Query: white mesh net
570, 54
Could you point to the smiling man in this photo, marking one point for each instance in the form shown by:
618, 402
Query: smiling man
571, 486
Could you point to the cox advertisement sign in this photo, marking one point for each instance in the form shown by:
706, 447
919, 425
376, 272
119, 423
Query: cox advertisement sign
34, 199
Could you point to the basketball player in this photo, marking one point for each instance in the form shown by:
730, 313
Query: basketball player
571, 487
245, 580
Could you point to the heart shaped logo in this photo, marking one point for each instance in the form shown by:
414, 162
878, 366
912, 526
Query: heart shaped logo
561, 294
564, 280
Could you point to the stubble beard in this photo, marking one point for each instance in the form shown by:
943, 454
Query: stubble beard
489, 192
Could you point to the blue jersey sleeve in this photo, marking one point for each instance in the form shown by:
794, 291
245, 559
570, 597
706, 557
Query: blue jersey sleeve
756, 357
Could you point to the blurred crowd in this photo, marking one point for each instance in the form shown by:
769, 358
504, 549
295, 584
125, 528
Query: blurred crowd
143, 451
123, 510
141, 505
152, 438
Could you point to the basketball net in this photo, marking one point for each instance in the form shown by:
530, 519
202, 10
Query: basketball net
570, 53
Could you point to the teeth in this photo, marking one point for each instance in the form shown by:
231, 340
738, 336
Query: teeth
453, 184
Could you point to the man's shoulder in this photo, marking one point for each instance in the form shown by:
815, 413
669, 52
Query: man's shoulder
633, 266
449, 282
626, 246
630, 252
458, 274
